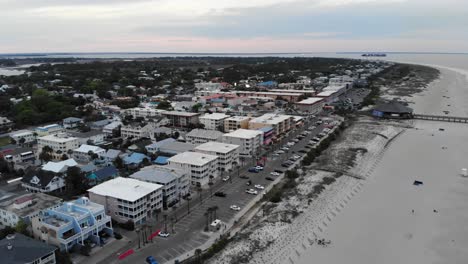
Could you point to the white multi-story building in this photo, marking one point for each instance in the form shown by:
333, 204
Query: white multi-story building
175, 181
248, 140
127, 199
311, 105
49, 130
109, 129
28, 136
228, 154
72, 223
200, 136
201, 167
280, 123
144, 112
236, 122
136, 131
60, 144
23, 207
84, 153
213, 121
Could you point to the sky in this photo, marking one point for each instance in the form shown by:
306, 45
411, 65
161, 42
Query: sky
233, 26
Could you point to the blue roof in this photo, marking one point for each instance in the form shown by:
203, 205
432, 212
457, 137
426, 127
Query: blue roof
268, 83
161, 160
104, 173
161, 143
266, 129
135, 158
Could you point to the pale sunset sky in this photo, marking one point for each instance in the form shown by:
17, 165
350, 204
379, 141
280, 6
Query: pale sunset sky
233, 25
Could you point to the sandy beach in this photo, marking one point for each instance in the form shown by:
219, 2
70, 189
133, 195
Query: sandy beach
378, 225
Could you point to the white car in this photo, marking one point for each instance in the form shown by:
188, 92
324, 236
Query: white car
226, 178
280, 152
274, 173
235, 207
162, 234
259, 168
251, 191
284, 148
260, 187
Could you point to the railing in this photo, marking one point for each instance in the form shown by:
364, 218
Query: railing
453, 119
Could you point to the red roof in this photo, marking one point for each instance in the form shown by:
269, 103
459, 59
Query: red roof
23, 199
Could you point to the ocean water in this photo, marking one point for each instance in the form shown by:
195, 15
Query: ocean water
452, 60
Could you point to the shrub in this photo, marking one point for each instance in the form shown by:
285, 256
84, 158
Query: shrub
117, 236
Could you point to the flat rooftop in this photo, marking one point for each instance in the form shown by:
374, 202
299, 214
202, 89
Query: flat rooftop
30, 203
217, 147
238, 118
310, 101
215, 116
180, 113
159, 174
193, 158
270, 119
61, 138
125, 188
244, 133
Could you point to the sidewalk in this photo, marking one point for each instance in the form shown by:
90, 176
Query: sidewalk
101, 253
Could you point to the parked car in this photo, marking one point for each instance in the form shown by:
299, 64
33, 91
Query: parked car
259, 187
253, 169
259, 168
235, 207
248, 183
302, 151
269, 178
316, 139
319, 122
251, 191
163, 234
279, 171
321, 134
226, 178
274, 173
280, 152
220, 194
244, 177
285, 148
151, 260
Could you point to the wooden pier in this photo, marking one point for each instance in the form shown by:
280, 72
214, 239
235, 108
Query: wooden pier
453, 119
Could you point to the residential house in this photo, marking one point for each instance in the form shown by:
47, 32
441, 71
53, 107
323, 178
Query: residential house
42, 181
202, 168
103, 174
136, 131
200, 136
24, 207
127, 199
28, 136
135, 159
111, 129
19, 249
92, 137
21, 157
100, 124
108, 157
72, 122
5, 123
85, 153
73, 223
59, 167
49, 130
175, 182
154, 147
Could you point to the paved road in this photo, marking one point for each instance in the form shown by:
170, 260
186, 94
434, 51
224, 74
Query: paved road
188, 232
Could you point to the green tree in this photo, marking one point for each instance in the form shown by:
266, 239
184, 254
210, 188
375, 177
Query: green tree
76, 181
22, 228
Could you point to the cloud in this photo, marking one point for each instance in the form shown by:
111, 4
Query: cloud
231, 25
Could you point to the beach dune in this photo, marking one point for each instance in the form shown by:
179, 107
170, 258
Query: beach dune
394, 221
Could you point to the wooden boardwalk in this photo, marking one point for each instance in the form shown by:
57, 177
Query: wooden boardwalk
453, 119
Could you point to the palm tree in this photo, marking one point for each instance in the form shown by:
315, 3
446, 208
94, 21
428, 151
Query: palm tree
199, 190
207, 217
198, 253
210, 185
